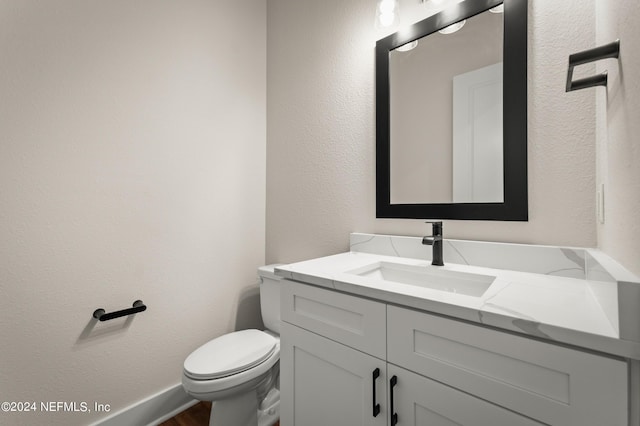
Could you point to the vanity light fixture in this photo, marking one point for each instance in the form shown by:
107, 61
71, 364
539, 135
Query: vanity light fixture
437, 5
453, 27
387, 13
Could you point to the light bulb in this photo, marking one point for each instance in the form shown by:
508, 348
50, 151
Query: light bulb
387, 13
434, 5
386, 19
453, 27
408, 46
497, 9
386, 6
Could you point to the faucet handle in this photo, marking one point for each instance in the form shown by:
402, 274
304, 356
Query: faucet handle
436, 226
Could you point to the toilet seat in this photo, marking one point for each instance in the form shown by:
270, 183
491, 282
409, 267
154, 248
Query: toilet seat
209, 390
229, 354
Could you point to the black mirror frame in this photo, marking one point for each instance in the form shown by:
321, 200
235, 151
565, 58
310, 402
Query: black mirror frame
515, 205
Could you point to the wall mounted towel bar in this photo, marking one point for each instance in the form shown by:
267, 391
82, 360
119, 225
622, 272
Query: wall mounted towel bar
611, 50
101, 315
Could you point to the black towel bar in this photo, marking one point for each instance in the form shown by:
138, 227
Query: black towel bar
101, 315
611, 50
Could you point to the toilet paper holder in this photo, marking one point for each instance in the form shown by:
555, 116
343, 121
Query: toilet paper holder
101, 315
611, 50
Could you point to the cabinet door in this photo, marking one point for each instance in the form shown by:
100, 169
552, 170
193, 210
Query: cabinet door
556, 385
326, 383
419, 401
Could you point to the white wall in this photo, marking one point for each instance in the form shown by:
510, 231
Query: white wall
321, 131
132, 166
618, 110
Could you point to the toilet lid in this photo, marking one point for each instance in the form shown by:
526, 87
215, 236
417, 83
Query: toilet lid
229, 354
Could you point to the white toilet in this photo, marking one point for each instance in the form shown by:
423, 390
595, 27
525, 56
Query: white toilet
240, 371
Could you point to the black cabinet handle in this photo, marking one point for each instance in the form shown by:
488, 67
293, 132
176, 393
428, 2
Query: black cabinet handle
376, 406
393, 415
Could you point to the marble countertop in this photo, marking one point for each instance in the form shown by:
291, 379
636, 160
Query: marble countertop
561, 309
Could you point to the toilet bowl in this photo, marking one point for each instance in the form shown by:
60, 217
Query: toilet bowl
239, 371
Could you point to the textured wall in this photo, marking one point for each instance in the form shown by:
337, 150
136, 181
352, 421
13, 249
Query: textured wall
321, 131
618, 109
132, 165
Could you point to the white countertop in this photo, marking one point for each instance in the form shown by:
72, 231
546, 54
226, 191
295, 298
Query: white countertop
554, 308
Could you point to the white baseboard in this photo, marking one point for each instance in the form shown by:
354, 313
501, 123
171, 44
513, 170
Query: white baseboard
152, 410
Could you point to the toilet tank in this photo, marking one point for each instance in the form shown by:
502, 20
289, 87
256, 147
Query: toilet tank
270, 297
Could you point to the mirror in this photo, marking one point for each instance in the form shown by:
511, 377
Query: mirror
451, 123
446, 116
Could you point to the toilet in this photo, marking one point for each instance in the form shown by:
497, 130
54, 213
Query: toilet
240, 371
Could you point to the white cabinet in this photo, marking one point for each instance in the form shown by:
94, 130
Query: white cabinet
353, 321
445, 372
553, 384
324, 383
419, 401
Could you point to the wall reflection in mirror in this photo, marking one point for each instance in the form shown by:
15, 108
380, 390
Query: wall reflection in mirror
446, 127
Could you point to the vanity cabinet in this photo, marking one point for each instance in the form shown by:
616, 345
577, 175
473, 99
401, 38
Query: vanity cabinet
431, 370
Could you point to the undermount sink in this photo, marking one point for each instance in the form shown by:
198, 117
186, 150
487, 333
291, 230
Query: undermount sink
427, 276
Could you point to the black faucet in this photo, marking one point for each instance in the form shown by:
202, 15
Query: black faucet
435, 240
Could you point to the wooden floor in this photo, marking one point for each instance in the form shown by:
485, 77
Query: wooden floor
198, 415
194, 416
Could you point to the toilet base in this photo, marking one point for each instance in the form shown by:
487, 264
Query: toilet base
240, 410
269, 410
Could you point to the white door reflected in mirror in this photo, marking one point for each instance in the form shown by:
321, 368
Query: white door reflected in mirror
477, 136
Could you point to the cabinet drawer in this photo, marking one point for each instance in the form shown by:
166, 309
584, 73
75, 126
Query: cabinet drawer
353, 321
553, 384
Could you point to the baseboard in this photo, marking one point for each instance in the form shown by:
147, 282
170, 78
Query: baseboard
152, 410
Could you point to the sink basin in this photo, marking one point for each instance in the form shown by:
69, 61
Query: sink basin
427, 276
